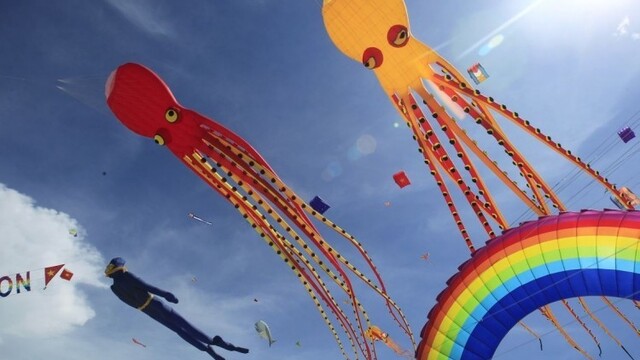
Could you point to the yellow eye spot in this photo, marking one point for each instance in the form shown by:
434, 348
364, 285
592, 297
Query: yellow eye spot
158, 140
371, 63
171, 115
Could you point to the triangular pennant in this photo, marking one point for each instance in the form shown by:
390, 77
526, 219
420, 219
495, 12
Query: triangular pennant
50, 272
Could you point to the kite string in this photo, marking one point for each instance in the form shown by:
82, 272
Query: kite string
567, 180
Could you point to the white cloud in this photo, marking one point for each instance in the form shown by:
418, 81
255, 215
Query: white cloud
142, 15
33, 238
623, 27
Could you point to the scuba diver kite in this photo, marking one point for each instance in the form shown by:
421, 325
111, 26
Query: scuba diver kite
136, 293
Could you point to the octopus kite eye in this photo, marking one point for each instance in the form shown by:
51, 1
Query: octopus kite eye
372, 58
158, 139
162, 137
172, 115
398, 35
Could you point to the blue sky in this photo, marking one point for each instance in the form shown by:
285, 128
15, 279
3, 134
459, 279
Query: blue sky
267, 70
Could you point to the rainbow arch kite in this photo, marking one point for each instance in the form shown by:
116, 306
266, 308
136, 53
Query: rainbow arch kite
556, 257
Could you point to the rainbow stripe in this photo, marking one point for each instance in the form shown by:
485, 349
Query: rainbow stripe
556, 257
23, 281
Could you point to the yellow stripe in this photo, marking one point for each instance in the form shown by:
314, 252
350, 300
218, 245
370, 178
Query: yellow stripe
146, 303
584, 246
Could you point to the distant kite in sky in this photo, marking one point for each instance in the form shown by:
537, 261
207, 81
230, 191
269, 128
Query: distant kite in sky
401, 179
263, 330
74, 232
626, 134
629, 196
137, 342
426, 90
233, 168
319, 205
375, 334
477, 73
66, 275
617, 202
196, 217
425, 256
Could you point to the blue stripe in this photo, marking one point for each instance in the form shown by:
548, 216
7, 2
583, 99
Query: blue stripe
503, 315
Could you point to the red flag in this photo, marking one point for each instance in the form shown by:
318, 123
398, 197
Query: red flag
50, 272
401, 179
66, 274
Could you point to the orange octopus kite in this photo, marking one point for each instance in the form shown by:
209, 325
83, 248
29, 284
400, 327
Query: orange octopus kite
423, 86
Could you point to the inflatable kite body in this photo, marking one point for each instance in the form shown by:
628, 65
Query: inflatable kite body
136, 293
233, 168
557, 257
263, 330
376, 34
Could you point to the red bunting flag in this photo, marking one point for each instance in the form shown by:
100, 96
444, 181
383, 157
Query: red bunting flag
401, 179
50, 272
66, 274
